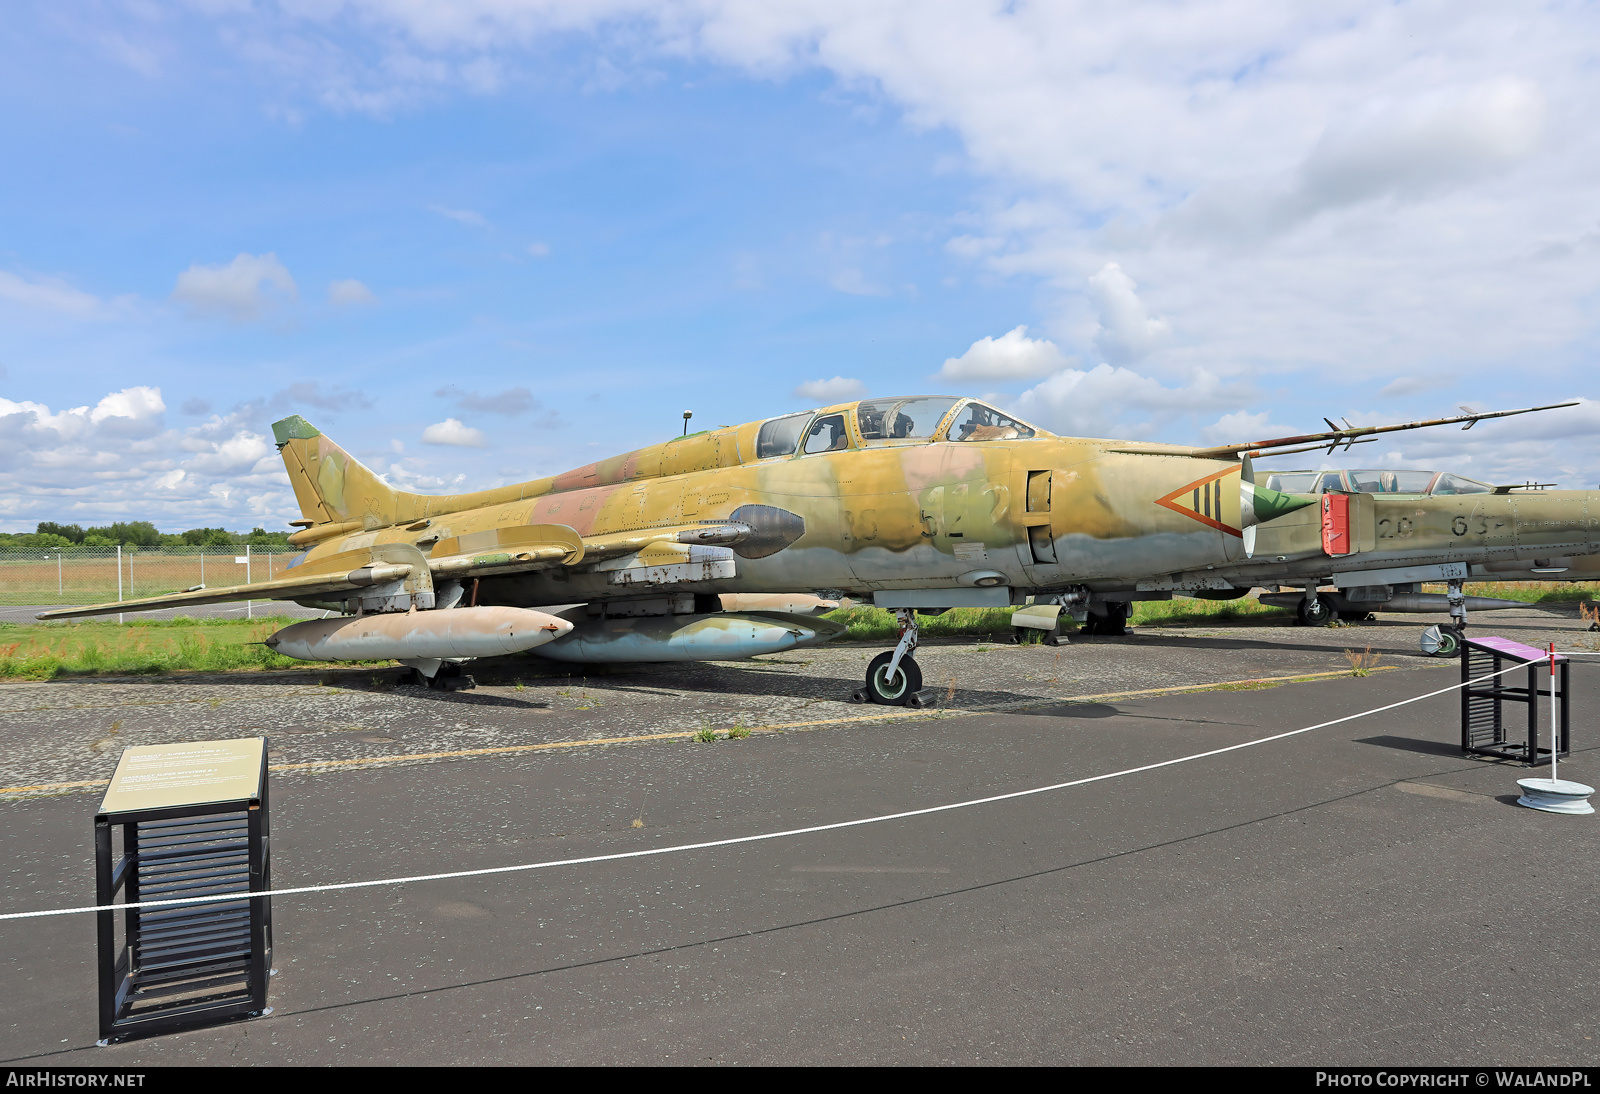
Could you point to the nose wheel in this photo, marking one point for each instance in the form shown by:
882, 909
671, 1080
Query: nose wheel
893, 678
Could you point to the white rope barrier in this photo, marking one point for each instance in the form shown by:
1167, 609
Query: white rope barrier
786, 834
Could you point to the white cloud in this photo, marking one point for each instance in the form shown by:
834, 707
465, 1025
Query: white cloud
115, 460
539, 250
48, 294
837, 390
1339, 193
350, 292
1099, 402
244, 289
452, 432
1127, 332
1012, 356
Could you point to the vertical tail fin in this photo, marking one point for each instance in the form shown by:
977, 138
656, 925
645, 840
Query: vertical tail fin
333, 487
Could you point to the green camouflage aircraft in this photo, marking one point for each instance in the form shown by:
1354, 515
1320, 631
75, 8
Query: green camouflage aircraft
916, 504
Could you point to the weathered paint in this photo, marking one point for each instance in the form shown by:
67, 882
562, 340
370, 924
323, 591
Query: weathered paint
723, 636
462, 632
1042, 512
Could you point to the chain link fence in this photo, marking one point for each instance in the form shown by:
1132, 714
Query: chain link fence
98, 575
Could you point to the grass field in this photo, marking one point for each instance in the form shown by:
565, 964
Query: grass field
46, 651
876, 623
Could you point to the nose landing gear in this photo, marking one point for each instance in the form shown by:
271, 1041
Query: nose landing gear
1446, 641
893, 678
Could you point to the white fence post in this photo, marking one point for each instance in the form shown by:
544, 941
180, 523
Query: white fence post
247, 604
119, 580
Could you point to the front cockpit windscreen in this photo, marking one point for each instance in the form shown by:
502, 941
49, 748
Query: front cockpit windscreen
781, 436
977, 422
1374, 481
1390, 482
1293, 482
827, 434
902, 419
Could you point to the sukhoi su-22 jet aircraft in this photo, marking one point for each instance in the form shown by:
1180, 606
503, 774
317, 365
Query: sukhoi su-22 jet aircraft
916, 504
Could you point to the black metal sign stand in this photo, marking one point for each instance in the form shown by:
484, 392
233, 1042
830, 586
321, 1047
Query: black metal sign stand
1483, 723
188, 965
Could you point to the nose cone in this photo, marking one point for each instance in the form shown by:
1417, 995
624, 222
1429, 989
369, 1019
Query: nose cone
272, 642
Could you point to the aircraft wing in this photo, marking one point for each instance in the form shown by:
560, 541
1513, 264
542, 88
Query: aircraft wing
495, 552
1335, 436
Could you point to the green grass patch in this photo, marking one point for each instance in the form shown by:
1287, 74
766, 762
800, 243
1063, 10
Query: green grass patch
47, 651
1531, 592
870, 624
1184, 609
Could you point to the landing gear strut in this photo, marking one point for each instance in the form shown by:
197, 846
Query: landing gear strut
1313, 611
1446, 641
893, 678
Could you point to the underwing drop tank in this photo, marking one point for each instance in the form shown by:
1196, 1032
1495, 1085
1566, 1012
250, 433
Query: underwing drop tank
719, 636
448, 634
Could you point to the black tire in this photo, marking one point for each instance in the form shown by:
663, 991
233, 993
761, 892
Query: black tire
1113, 624
1314, 612
1449, 642
896, 693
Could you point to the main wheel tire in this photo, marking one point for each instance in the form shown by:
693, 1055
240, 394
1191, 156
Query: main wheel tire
1314, 612
1114, 623
1449, 642
897, 692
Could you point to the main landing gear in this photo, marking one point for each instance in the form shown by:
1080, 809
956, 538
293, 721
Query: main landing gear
1314, 610
893, 678
1111, 622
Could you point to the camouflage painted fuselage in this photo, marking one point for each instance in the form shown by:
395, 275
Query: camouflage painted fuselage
1044, 512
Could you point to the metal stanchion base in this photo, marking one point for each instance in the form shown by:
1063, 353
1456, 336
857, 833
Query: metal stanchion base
1555, 795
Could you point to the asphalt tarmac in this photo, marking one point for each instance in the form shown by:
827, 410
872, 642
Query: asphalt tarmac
1363, 894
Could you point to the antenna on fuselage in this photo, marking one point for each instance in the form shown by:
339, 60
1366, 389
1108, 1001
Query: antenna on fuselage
687, 414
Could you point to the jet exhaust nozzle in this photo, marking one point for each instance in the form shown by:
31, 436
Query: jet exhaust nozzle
451, 633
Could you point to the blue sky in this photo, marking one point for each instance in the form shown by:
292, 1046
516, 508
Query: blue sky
485, 240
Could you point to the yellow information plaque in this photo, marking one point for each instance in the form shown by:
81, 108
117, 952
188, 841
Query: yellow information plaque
193, 773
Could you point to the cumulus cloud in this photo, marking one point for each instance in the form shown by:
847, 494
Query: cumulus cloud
116, 460
1127, 331
1097, 402
1335, 194
242, 290
1012, 356
342, 294
837, 390
452, 432
1407, 149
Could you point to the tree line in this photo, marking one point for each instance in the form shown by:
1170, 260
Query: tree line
138, 533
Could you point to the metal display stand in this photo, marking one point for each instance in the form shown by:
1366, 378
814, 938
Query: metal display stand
1484, 726
194, 822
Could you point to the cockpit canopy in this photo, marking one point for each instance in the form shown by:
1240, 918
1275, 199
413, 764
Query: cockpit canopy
1415, 483
913, 419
